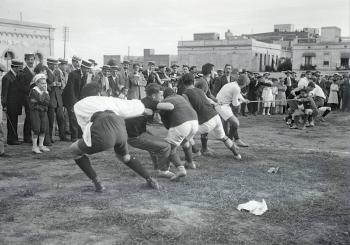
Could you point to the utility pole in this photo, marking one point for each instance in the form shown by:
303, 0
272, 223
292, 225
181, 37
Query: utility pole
65, 39
128, 53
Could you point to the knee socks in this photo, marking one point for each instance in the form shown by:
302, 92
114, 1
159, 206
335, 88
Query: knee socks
85, 165
204, 140
135, 165
188, 154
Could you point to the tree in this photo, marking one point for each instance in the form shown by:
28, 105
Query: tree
285, 66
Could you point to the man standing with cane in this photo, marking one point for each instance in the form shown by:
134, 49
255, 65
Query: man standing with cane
10, 101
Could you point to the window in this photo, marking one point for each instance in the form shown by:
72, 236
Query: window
308, 60
326, 58
344, 62
9, 55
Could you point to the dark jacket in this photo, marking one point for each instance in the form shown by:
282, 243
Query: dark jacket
10, 93
254, 88
220, 82
114, 85
151, 77
54, 87
24, 78
72, 92
37, 101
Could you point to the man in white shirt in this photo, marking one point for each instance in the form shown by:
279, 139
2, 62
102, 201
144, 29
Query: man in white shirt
229, 94
320, 98
102, 122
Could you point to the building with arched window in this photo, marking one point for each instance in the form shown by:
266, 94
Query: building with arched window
19, 37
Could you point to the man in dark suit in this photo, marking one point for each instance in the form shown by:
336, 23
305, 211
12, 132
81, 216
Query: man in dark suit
150, 75
114, 82
10, 92
289, 81
72, 94
124, 73
221, 81
54, 87
346, 93
25, 77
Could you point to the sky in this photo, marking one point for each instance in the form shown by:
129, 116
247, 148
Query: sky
111, 26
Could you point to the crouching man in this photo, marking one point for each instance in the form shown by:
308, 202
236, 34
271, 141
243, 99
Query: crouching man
182, 125
102, 122
140, 138
208, 118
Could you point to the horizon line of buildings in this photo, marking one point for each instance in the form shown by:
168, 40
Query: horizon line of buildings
307, 48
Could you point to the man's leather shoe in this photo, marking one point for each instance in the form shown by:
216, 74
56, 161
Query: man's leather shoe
13, 142
29, 141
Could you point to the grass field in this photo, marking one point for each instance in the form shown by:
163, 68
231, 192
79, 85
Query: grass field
46, 199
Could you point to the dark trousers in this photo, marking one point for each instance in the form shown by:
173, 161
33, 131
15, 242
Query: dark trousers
27, 135
12, 124
60, 120
75, 130
243, 108
253, 107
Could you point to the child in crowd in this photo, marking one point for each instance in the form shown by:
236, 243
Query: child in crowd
306, 107
281, 97
267, 97
39, 100
333, 95
123, 93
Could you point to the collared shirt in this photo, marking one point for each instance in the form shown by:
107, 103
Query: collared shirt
230, 93
303, 82
318, 92
86, 107
14, 73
